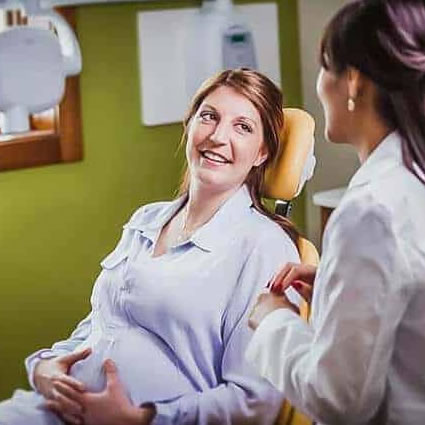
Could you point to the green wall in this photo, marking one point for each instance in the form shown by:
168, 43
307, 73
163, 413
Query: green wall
57, 222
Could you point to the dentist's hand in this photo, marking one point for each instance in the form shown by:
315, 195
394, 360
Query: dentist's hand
266, 304
299, 276
53, 382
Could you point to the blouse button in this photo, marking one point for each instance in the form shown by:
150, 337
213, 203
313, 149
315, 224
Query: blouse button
125, 288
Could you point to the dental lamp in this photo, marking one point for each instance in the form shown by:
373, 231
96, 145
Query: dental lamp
34, 63
217, 39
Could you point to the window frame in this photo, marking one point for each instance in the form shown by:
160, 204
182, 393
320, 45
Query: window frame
43, 147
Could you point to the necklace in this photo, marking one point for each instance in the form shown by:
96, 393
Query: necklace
184, 233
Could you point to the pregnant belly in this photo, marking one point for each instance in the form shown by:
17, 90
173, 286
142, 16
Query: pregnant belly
146, 366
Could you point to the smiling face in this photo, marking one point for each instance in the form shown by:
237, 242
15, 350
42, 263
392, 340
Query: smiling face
224, 141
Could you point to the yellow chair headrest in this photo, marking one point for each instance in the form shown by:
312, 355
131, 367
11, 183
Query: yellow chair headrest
297, 138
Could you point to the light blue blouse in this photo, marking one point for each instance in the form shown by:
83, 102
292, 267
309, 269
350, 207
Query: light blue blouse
176, 325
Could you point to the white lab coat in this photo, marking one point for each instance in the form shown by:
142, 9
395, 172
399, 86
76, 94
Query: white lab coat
361, 360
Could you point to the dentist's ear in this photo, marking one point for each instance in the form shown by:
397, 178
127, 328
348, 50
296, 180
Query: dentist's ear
355, 83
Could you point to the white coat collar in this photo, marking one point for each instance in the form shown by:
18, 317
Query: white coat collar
386, 156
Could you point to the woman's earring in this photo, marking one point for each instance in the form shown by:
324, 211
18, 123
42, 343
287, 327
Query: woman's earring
351, 105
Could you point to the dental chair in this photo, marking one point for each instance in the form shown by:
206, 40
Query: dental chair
283, 181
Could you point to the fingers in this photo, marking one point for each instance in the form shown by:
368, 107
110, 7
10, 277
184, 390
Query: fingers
71, 358
56, 406
70, 393
304, 289
72, 419
111, 372
68, 418
71, 382
284, 278
291, 272
67, 398
280, 274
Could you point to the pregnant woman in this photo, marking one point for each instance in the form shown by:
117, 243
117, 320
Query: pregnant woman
164, 342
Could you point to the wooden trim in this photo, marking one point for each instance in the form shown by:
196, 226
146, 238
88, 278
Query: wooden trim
63, 144
69, 111
70, 132
29, 150
9, 18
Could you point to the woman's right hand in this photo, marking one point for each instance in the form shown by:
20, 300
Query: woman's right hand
52, 380
299, 276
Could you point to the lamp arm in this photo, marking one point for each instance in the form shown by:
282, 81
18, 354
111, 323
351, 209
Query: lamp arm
69, 44
68, 41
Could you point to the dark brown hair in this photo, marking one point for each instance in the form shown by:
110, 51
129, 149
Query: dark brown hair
267, 99
385, 40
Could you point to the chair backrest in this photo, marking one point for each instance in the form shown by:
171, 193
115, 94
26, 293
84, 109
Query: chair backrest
297, 140
283, 178
282, 184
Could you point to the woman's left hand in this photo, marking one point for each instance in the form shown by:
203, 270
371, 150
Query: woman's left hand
112, 406
267, 303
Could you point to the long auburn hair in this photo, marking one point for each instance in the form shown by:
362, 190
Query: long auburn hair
267, 99
385, 40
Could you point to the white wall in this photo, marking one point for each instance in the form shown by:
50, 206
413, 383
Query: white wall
335, 163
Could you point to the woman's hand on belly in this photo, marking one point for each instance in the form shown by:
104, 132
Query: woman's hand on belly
112, 406
53, 382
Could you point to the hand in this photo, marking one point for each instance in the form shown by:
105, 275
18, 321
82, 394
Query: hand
267, 303
299, 276
52, 380
112, 406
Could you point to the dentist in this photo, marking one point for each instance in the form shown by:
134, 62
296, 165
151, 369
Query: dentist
360, 360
